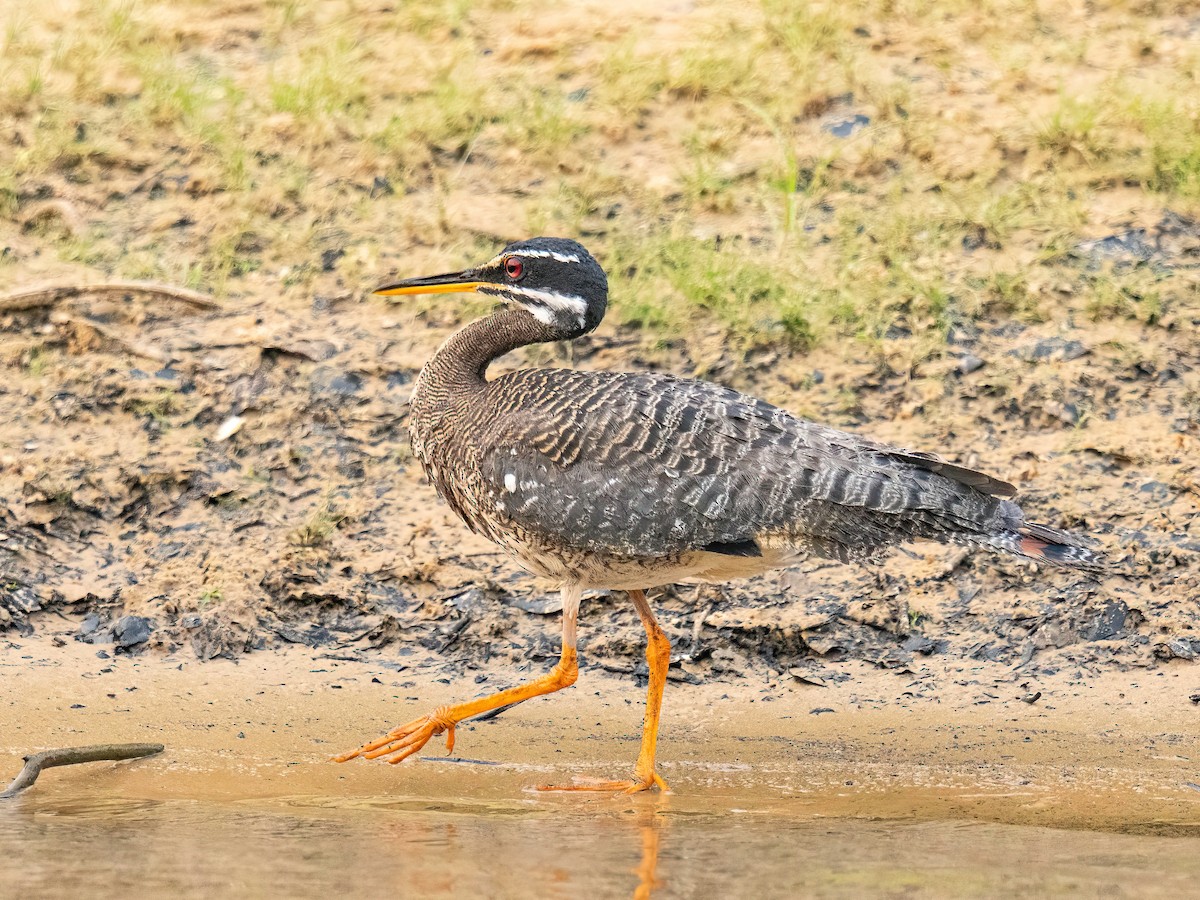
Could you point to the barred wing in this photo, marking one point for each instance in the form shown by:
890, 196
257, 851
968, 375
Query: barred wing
650, 465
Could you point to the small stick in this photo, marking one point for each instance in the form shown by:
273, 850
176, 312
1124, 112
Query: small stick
69, 756
48, 296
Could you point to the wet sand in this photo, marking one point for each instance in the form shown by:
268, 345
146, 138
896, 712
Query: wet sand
1121, 754
937, 798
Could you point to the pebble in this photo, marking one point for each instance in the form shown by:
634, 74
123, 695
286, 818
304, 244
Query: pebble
969, 363
846, 126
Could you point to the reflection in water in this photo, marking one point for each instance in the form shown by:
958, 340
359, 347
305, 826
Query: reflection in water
650, 826
526, 846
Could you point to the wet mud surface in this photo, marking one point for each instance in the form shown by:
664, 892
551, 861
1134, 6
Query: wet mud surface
249, 487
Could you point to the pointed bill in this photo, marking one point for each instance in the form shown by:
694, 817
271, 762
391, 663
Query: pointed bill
450, 283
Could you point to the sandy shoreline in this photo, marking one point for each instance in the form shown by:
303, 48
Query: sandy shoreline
1118, 752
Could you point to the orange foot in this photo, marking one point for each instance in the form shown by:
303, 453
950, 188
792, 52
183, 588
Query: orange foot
402, 742
637, 785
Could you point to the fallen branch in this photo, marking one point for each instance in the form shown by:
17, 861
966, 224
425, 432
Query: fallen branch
69, 756
35, 298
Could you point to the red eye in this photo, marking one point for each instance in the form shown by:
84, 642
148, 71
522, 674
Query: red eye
513, 268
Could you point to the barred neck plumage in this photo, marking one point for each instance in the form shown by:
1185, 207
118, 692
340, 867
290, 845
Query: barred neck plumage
459, 366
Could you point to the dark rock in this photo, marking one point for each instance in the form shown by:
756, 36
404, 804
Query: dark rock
847, 125
1051, 349
327, 381
1156, 491
314, 636
986, 650
313, 349
1125, 246
22, 599
330, 257
399, 379
819, 710
918, 643
470, 602
546, 605
1109, 623
129, 631
88, 627
381, 187
1178, 648
978, 238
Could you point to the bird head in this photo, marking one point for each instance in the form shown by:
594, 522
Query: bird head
555, 280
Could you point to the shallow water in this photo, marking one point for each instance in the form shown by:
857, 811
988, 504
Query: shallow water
928, 802
532, 845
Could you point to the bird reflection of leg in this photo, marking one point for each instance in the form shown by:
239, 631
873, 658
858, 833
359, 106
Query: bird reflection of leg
651, 831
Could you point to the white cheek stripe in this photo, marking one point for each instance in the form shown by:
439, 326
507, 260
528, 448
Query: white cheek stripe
568, 303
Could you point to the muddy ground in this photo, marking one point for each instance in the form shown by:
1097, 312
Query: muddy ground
238, 479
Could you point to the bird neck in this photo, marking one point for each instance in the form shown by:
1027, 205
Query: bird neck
459, 366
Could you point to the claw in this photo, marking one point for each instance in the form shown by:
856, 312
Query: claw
402, 742
633, 786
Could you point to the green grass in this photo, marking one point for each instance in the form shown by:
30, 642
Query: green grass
689, 153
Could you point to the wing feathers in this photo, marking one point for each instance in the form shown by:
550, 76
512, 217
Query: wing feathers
653, 465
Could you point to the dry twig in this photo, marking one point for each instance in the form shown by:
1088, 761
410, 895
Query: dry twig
35, 298
69, 756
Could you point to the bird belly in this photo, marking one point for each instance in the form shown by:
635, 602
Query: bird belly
614, 571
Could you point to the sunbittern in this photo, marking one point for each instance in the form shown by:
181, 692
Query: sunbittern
626, 481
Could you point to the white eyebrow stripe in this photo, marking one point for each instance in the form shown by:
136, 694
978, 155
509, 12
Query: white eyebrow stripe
547, 254
497, 261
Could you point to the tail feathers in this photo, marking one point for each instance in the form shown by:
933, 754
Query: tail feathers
1049, 545
1061, 554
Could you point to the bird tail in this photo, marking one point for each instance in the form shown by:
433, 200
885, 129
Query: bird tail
1049, 545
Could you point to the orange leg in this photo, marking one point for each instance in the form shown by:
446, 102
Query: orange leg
658, 656
402, 742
